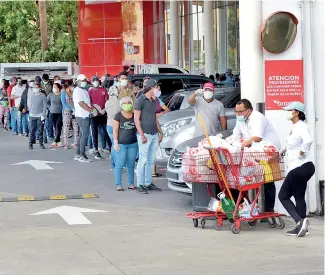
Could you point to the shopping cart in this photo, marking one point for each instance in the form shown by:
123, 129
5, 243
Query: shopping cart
246, 171
195, 171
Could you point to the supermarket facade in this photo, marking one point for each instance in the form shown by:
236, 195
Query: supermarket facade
211, 36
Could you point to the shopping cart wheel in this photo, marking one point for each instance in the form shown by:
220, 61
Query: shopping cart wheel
234, 229
217, 226
203, 223
195, 222
252, 223
280, 224
271, 222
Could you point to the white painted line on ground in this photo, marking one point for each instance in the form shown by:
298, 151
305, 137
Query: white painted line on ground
38, 164
72, 215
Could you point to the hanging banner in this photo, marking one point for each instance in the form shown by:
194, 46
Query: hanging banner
284, 83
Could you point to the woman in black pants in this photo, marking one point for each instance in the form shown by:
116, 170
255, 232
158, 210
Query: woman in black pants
301, 169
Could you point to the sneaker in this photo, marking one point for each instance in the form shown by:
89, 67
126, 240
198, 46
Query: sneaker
71, 136
142, 190
53, 145
91, 151
293, 232
15, 134
66, 147
303, 227
104, 150
60, 144
153, 187
84, 159
20, 135
76, 157
26, 135
42, 146
30, 146
98, 156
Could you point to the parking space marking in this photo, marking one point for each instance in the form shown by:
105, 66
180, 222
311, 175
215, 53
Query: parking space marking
52, 197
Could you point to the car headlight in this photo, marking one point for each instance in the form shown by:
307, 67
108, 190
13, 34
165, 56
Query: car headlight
171, 128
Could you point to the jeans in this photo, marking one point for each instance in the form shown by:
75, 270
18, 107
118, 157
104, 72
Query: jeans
49, 128
9, 119
24, 121
102, 139
15, 121
56, 121
110, 134
84, 125
127, 154
295, 185
99, 122
36, 125
147, 156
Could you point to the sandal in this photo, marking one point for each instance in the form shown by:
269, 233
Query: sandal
132, 187
120, 188
156, 175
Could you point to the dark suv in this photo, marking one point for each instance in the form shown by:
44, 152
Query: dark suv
170, 83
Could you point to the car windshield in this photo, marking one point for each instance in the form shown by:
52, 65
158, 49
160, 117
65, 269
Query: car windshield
176, 102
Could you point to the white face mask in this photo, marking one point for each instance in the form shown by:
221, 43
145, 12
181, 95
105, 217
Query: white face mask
55, 91
31, 84
124, 82
207, 94
95, 84
289, 115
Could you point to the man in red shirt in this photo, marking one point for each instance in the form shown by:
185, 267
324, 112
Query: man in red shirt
98, 97
11, 101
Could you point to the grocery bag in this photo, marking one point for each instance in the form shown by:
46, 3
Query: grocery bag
215, 206
245, 209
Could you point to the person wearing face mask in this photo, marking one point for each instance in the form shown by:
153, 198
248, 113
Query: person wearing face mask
253, 126
25, 104
98, 97
161, 109
17, 92
83, 109
125, 143
211, 110
4, 105
37, 112
11, 101
123, 88
68, 114
149, 136
55, 116
300, 168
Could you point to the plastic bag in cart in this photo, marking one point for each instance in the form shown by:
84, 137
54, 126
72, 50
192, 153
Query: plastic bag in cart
215, 206
245, 209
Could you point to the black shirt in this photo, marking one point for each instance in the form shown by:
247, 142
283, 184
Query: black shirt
127, 129
148, 114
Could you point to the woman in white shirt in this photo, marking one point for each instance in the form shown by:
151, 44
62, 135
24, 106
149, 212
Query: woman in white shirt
300, 168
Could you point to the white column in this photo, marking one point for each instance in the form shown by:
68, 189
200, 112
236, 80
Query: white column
317, 36
223, 39
209, 38
174, 34
251, 55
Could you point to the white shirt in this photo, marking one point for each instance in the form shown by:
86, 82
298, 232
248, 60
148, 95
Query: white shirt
299, 140
17, 91
257, 125
79, 95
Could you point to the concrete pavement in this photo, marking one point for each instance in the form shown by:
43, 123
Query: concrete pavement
139, 234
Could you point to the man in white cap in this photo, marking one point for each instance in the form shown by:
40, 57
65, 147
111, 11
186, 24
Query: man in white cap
83, 109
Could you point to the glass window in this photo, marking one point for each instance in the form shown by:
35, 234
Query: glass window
176, 102
168, 87
169, 71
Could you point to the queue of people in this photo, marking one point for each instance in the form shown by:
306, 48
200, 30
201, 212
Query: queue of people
128, 120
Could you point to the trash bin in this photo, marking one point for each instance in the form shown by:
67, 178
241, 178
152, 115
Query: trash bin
201, 196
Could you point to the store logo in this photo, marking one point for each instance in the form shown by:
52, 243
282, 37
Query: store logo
130, 49
282, 104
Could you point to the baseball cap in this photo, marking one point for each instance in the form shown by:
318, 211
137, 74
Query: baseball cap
151, 83
296, 105
81, 77
209, 86
31, 79
58, 82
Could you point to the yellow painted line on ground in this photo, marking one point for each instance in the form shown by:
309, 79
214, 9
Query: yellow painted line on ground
58, 197
26, 198
89, 196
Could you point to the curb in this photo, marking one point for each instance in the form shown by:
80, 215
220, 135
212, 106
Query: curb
47, 198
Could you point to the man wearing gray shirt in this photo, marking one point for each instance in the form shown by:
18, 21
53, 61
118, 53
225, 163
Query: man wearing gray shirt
211, 110
37, 114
